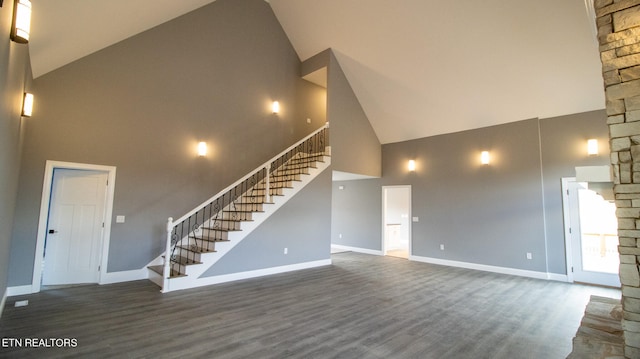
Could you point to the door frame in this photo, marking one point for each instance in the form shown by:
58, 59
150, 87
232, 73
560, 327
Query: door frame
44, 215
384, 216
568, 236
566, 215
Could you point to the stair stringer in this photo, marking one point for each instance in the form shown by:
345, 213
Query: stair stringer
193, 273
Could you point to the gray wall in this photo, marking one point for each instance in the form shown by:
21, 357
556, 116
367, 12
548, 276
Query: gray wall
15, 79
142, 104
355, 147
489, 215
302, 225
563, 144
482, 214
357, 214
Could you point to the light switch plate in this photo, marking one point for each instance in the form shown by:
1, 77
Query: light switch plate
416, 219
119, 219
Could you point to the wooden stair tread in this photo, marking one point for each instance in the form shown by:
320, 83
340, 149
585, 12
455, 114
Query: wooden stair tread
185, 261
210, 239
197, 249
160, 270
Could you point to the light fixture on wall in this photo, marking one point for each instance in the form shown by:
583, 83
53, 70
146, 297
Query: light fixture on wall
592, 147
485, 157
27, 104
411, 165
21, 21
202, 149
275, 107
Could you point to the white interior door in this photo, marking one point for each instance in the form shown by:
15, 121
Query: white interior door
75, 227
593, 231
397, 208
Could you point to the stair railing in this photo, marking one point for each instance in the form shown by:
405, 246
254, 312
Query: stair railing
250, 191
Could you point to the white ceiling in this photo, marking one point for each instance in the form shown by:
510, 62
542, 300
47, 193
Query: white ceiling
63, 31
418, 67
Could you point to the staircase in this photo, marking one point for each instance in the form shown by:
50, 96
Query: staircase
200, 238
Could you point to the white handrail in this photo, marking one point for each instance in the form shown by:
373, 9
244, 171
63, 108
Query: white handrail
265, 165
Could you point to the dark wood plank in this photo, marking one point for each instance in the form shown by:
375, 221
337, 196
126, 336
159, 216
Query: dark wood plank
360, 307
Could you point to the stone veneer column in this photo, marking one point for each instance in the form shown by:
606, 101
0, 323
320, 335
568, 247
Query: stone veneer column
618, 23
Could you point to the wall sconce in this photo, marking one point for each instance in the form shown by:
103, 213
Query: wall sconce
592, 147
275, 107
202, 149
411, 165
484, 157
27, 105
21, 21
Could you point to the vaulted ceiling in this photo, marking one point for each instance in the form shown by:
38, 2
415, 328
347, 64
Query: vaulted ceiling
418, 67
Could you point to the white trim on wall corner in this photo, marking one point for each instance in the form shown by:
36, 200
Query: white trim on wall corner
493, 269
124, 276
20, 290
357, 249
3, 301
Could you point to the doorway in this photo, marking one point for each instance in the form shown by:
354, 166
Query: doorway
74, 228
396, 241
591, 235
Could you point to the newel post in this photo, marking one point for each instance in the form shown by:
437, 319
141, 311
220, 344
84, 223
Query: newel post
167, 258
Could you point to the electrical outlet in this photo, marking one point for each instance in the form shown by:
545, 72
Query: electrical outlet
442, 247
286, 250
529, 256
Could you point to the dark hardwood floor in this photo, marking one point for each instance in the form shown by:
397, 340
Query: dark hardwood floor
362, 306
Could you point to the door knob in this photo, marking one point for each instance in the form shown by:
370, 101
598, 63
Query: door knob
52, 231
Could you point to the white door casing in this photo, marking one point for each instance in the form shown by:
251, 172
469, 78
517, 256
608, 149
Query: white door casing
578, 258
396, 221
44, 214
75, 227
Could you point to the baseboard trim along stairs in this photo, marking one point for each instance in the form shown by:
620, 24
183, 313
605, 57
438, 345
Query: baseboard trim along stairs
198, 240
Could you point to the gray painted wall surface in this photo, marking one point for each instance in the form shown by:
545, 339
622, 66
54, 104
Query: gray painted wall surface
355, 147
357, 214
488, 215
302, 225
15, 78
316, 62
142, 105
564, 146
482, 214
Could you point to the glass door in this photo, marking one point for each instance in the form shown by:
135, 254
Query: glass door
594, 236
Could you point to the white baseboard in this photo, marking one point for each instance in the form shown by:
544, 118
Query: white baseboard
3, 301
180, 283
558, 277
488, 268
125, 276
357, 249
20, 290
113, 277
